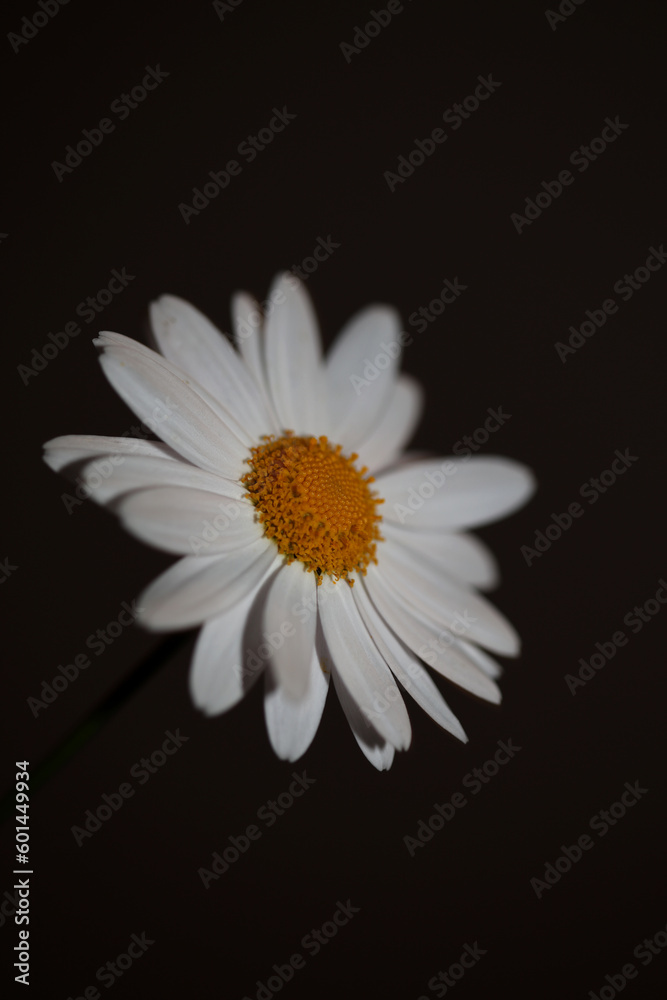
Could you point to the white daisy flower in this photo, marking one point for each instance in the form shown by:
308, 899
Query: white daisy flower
309, 547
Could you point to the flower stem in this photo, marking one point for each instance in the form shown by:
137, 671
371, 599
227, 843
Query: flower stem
85, 730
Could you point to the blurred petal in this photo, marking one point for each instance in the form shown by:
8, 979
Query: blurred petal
291, 724
374, 747
453, 493
395, 426
359, 387
458, 555
186, 521
219, 673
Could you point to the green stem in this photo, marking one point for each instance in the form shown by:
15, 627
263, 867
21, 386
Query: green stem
84, 731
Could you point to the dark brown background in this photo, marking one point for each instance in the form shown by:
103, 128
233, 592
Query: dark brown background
323, 176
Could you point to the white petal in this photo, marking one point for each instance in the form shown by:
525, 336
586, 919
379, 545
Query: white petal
462, 556
107, 481
359, 664
406, 667
291, 724
291, 661
200, 587
221, 672
70, 448
180, 412
394, 428
445, 601
190, 341
124, 464
429, 642
482, 659
453, 493
249, 336
294, 367
186, 521
374, 747
359, 388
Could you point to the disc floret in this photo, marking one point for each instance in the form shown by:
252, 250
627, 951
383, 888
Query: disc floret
315, 504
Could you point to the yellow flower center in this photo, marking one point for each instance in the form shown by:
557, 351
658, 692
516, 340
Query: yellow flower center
314, 504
